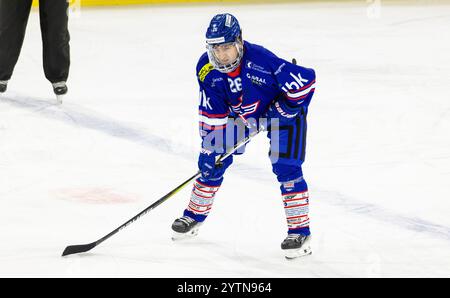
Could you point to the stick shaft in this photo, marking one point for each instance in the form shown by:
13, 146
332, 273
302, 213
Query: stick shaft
83, 248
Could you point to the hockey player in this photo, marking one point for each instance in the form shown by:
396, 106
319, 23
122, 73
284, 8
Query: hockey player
242, 80
55, 39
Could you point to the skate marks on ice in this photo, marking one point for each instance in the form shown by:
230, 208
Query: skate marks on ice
359, 207
205, 255
81, 117
75, 115
355, 206
214, 258
41, 106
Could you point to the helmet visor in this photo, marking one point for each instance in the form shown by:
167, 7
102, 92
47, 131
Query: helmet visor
225, 57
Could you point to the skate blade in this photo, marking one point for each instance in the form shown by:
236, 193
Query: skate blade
59, 99
291, 254
183, 236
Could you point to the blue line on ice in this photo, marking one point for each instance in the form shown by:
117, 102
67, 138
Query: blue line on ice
81, 117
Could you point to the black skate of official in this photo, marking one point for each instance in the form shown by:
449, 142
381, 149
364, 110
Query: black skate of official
296, 245
60, 89
184, 228
3, 86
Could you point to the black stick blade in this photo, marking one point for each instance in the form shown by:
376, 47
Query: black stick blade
75, 249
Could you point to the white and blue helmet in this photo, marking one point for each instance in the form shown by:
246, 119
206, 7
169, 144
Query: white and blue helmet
223, 29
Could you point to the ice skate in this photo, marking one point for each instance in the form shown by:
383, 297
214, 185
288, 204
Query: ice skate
3, 86
60, 89
185, 228
296, 245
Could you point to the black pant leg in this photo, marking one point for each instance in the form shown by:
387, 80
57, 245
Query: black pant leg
13, 23
55, 39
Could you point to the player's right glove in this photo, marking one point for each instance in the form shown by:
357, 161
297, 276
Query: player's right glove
208, 167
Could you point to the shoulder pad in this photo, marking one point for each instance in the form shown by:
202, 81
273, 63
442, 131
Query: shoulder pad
204, 71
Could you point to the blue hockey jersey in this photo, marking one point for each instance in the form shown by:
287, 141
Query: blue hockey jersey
247, 92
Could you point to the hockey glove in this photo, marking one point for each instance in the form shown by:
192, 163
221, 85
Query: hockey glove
280, 110
208, 167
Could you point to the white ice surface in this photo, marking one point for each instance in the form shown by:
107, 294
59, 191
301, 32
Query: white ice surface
378, 154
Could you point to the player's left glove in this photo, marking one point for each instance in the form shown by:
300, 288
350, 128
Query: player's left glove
280, 110
208, 167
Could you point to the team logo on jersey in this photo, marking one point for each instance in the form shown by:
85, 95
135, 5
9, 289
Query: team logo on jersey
204, 100
215, 80
256, 80
298, 83
248, 109
252, 65
206, 69
279, 68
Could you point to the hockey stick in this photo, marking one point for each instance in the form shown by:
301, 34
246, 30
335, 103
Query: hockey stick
74, 249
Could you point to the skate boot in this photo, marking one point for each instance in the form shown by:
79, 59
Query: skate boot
185, 227
3, 86
296, 245
60, 88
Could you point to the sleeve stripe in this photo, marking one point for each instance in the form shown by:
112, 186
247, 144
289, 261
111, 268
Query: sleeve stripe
213, 115
307, 86
299, 98
297, 95
209, 127
213, 121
